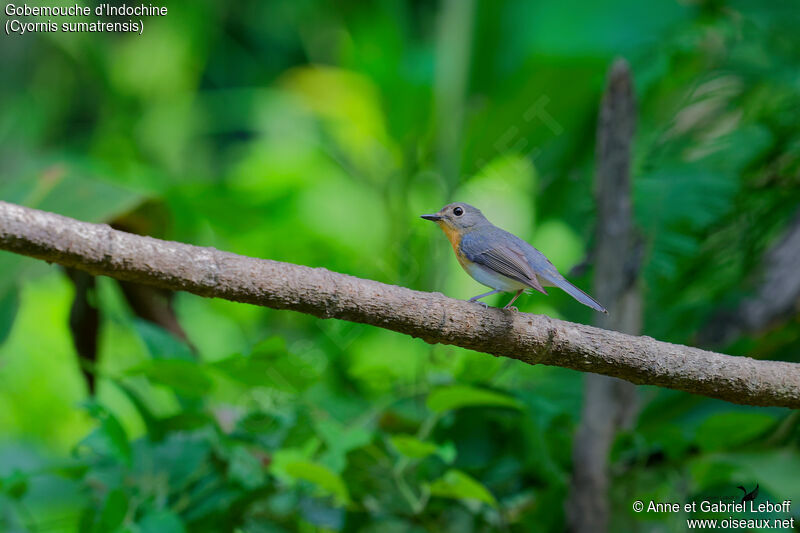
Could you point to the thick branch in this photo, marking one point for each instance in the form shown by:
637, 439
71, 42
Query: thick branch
100, 250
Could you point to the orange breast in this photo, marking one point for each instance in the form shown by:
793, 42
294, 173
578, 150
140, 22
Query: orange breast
454, 236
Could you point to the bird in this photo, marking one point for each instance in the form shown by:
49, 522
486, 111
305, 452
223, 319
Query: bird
499, 259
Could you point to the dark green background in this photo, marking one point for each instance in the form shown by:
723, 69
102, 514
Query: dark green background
315, 133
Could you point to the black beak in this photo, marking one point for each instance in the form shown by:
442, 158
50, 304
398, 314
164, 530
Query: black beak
431, 217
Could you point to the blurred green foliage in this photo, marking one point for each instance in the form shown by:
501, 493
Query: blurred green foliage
315, 133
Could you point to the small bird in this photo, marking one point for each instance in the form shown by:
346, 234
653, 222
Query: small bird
498, 259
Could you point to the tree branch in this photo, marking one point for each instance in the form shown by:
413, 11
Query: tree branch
100, 250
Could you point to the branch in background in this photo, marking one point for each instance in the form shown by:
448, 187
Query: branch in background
608, 403
84, 324
154, 305
148, 303
776, 299
101, 250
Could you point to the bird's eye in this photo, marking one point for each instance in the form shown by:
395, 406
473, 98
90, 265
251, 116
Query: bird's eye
457, 211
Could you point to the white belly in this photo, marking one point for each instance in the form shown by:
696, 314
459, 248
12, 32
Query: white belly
493, 279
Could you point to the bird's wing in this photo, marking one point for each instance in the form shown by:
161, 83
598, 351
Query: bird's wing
501, 255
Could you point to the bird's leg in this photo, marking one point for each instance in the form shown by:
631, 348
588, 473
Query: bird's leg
508, 305
476, 298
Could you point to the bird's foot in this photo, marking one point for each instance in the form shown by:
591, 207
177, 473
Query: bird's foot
482, 304
511, 308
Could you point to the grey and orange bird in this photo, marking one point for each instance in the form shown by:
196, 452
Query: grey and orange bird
499, 259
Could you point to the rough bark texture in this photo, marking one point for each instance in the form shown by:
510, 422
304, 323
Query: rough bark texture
776, 298
149, 303
433, 317
608, 403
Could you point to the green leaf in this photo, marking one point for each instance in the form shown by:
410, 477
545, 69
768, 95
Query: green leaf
114, 511
184, 421
709, 470
338, 435
9, 303
69, 469
341, 439
328, 481
775, 469
109, 437
159, 428
161, 522
149, 419
186, 377
458, 396
270, 364
447, 452
729, 430
245, 469
15, 485
458, 485
160, 343
70, 193
412, 447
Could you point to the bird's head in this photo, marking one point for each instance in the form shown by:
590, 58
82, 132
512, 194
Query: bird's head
457, 217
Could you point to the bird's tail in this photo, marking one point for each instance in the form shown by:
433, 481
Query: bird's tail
578, 294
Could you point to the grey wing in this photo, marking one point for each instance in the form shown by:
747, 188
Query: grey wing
541, 264
500, 252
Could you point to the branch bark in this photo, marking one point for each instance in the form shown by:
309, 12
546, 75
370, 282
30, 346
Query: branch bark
101, 250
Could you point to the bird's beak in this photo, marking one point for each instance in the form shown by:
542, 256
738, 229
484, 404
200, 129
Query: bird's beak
434, 217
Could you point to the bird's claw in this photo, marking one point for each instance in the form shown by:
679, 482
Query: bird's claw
511, 308
482, 304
